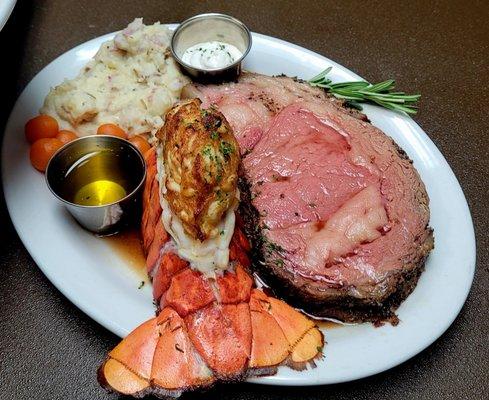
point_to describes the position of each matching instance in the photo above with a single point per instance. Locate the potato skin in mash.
(132, 82)
(201, 158)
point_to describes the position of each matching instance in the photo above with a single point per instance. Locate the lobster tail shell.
(177, 366)
(208, 330)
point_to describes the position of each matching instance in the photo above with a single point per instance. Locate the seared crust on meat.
(364, 285)
(336, 303)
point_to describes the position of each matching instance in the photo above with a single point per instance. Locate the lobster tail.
(171, 353)
(207, 329)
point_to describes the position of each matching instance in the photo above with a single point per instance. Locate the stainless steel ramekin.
(109, 218)
(211, 27)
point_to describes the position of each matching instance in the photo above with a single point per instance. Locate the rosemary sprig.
(356, 92)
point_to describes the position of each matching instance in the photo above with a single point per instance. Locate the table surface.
(50, 350)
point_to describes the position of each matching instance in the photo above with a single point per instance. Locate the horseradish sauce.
(211, 55)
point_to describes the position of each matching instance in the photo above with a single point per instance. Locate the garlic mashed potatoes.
(132, 81)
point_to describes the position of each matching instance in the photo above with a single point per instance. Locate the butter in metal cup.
(125, 161)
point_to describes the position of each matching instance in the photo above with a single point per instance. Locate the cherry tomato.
(66, 136)
(112, 130)
(42, 150)
(141, 143)
(42, 126)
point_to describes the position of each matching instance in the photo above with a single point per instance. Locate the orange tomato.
(112, 130)
(66, 136)
(42, 150)
(42, 126)
(141, 143)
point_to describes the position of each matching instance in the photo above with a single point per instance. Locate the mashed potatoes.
(132, 81)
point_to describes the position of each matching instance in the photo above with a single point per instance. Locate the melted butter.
(99, 193)
(99, 178)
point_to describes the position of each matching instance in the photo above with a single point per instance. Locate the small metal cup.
(104, 219)
(211, 27)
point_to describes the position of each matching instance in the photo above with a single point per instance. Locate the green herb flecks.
(141, 285)
(271, 247)
(226, 149)
(279, 262)
(222, 196)
(207, 151)
(357, 92)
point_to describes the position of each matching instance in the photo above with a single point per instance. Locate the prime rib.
(337, 214)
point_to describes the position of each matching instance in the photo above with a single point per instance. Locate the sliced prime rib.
(337, 213)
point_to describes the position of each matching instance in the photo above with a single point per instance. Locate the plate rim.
(272, 380)
(5, 12)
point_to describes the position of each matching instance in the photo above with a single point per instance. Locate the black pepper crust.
(298, 292)
(376, 301)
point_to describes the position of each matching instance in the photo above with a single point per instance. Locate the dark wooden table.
(50, 350)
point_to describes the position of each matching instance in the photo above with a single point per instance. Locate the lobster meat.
(207, 329)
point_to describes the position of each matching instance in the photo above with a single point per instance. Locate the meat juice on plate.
(127, 245)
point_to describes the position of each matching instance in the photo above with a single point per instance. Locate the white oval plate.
(99, 282)
(6, 7)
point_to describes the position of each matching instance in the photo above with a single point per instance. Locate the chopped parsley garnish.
(279, 262)
(207, 151)
(221, 197)
(271, 247)
(226, 149)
